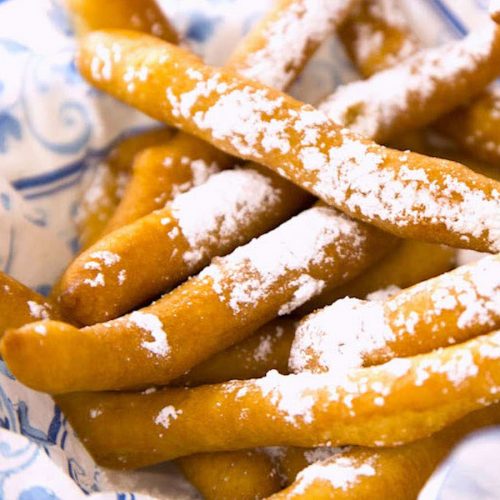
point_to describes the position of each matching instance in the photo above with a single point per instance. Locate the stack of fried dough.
(270, 293)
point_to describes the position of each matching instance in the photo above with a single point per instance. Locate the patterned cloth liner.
(54, 130)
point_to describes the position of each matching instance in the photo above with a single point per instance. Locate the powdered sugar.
(95, 263)
(343, 335)
(321, 453)
(468, 297)
(229, 199)
(247, 276)
(302, 24)
(341, 472)
(151, 324)
(166, 415)
(376, 183)
(339, 336)
(38, 311)
(308, 287)
(372, 107)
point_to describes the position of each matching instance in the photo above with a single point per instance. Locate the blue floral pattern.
(53, 129)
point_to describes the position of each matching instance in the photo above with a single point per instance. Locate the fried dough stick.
(410, 195)
(450, 308)
(227, 302)
(273, 53)
(139, 15)
(399, 472)
(20, 305)
(392, 404)
(377, 36)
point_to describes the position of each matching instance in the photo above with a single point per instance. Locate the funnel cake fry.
(273, 53)
(399, 472)
(20, 305)
(269, 348)
(377, 36)
(140, 15)
(450, 308)
(227, 302)
(105, 190)
(410, 195)
(430, 83)
(247, 475)
(395, 403)
(229, 209)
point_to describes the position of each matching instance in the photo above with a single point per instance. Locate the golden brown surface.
(267, 350)
(247, 475)
(444, 310)
(226, 303)
(20, 305)
(137, 276)
(263, 55)
(476, 128)
(408, 264)
(448, 188)
(399, 405)
(399, 472)
(140, 15)
(105, 191)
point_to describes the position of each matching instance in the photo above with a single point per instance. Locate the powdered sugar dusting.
(378, 184)
(246, 277)
(383, 15)
(301, 24)
(96, 262)
(341, 472)
(321, 453)
(307, 288)
(339, 336)
(151, 324)
(372, 107)
(229, 199)
(166, 415)
(468, 297)
(38, 311)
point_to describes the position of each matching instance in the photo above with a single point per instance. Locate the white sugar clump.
(95, 412)
(341, 472)
(339, 337)
(166, 415)
(336, 164)
(106, 257)
(95, 263)
(321, 453)
(246, 276)
(471, 293)
(98, 280)
(151, 324)
(228, 200)
(301, 24)
(307, 288)
(405, 196)
(370, 106)
(457, 369)
(38, 311)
